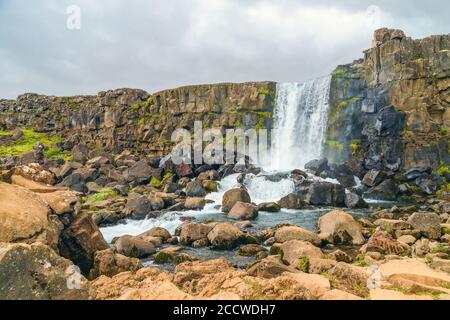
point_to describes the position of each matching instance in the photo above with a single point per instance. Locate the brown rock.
(191, 232)
(341, 228)
(288, 233)
(293, 250)
(134, 247)
(232, 196)
(225, 236)
(108, 263)
(243, 211)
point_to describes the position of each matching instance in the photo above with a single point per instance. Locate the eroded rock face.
(427, 223)
(36, 272)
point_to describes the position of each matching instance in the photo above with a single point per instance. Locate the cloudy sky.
(159, 44)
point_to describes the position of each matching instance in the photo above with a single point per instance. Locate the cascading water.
(300, 127)
(301, 117)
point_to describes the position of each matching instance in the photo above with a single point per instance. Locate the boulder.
(210, 185)
(36, 173)
(317, 166)
(195, 189)
(339, 295)
(134, 247)
(250, 250)
(373, 178)
(383, 243)
(427, 223)
(36, 272)
(108, 263)
(232, 196)
(293, 250)
(269, 207)
(288, 233)
(319, 265)
(61, 201)
(195, 203)
(243, 211)
(385, 191)
(269, 268)
(156, 203)
(191, 232)
(225, 236)
(157, 232)
(390, 225)
(292, 201)
(326, 194)
(138, 206)
(340, 228)
(80, 153)
(355, 201)
(80, 241)
(183, 170)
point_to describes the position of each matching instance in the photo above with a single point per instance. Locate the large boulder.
(142, 173)
(243, 211)
(288, 233)
(138, 206)
(80, 241)
(292, 251)
(134, 247)
(226, 236)
(35, 172)
(195, 189)
(23, 214)
(427, 223)
(317, 166)
(108, 263)
(157, 232)
(292, 201)
(195, 203)
(191, 232)
(270, 267)
(326, 194)
(269, 207)
(340, 228)
(385, 191)
(383, 243)
(232, 196)
(355, 201)
(36, 272)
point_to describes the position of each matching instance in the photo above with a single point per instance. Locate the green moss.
(444, 130)
(335, 145)
(141, 122)
(267, 92)
(340, 72)
(359, 261)
(135, 106)
(104, 194)
(27, 141)
(303, 264)
(168, 143)
(440, 249)
(57, 153)
(346, 85)
(155, 182)
(446, 230)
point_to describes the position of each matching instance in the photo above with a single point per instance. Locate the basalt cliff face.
(133, 119)
(391, 108)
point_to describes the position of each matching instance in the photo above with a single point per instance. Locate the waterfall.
(301, 115)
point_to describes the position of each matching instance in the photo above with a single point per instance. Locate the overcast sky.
(160, 44)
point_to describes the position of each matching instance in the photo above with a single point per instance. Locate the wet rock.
(340, 228)
(195, 203)
(243, 211)
(191, 232)
(138, 206)
(134, 247)
(210, 185)
(232, 196)
(427, 223)
(157, 232)
(355, 201)
(269, 207)
(225, 236)
(326, 194)
(250, 250)
(183, 170)
(288, 233)
(109, 264)
(195, 189)
(317, 166)
(36, 272)
(292, 201)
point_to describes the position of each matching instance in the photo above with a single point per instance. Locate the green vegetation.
(104, 194)
(346, 85)
(340, 72)
(335, 144)
(359, 261)
(303, 264)
(155, 182)
(135, 106)
(267, 92)
(440, 249)
(28, 140)
(141, 122)
(443, 171)
(444, 130)
(446, 230)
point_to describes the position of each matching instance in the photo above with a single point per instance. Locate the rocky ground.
(50, 212)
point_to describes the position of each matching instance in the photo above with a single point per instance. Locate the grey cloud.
(162, 44)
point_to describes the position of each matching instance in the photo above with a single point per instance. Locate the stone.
(349, 277)
(427, 223)
(243, 211)
(317, 166)
(373, 178)
(269, 268)
(156, 203)
(269, 207)
(61, 201)
(292, 201)
(225, 236)
(138, 206)
(319, 266)
(339, 295)
(288, 233)
(195, 203)
(36, 272)
(134, 247)
(108, 263)
(383, 242)
(385, 191)
(340, 256)
(250, 250)
(183, 170)
(195, 189)
(232, 196)
(326, 194)
(390, 225)
(294, 250)
(80, 241)
(80, 153)
(157, 232)
(355, 201)
(142, 173)
(407, 239)
(340, 228)
(210, 185)
(191, 232)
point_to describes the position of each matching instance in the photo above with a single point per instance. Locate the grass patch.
(104, 194)
(440, 249)
(303, 264)
(28, 140)
(155, 182)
